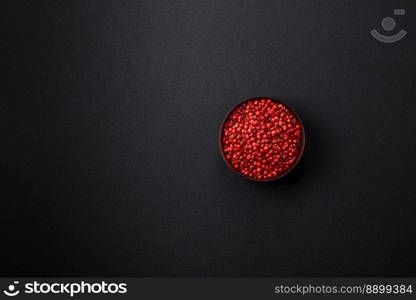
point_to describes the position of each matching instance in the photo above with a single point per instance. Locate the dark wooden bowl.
(302, 148)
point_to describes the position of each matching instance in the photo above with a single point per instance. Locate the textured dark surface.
(109, 118)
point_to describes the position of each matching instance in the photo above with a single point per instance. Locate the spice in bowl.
(262, 139)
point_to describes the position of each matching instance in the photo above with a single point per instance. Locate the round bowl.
(280, 175)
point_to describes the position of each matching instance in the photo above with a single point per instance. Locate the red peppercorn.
(262, 139)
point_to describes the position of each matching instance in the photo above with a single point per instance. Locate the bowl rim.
(302, 149)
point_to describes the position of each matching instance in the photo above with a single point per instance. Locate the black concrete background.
(109, 119)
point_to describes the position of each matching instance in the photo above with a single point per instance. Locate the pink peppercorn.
(262, 139)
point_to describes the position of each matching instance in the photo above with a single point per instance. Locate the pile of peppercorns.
(261, 139)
